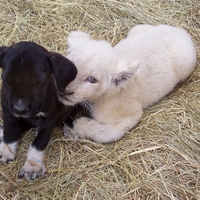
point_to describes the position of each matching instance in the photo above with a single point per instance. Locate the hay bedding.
(159, 158)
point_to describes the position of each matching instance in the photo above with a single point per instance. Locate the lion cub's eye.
(91, 79)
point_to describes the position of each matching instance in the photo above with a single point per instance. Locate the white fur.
(137, 72)
(34, 166)
(41, 114)
(1, 133)
(7, 151)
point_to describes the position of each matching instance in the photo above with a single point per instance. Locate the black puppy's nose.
(20, 108)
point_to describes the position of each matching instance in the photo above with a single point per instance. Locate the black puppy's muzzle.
(20, 108)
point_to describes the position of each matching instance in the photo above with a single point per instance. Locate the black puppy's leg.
(34, 166)
(7, 150)
(9, 137)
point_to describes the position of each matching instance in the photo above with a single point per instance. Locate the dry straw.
(159, 158)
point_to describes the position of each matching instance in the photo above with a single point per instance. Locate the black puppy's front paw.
(7, 151)
(31, 170)
(6, 154)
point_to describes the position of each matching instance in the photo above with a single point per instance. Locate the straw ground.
(159, 158)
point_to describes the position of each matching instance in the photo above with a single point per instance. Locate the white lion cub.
(120, 82)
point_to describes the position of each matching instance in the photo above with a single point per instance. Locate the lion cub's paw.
(82, 126)
(70, 133)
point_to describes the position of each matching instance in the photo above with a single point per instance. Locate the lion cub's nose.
(68, 93)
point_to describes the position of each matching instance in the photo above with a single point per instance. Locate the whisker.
(87, 106)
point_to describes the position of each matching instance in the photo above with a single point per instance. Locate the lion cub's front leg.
(101, 132)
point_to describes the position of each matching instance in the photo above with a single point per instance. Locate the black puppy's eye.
(91, 79)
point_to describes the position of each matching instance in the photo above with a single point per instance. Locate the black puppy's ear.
(2, 52)
(63, 70)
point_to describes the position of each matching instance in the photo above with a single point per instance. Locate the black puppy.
(31, 79)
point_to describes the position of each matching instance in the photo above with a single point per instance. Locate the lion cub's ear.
(125, 72)
(75, 38)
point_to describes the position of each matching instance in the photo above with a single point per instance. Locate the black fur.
(31, 78)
